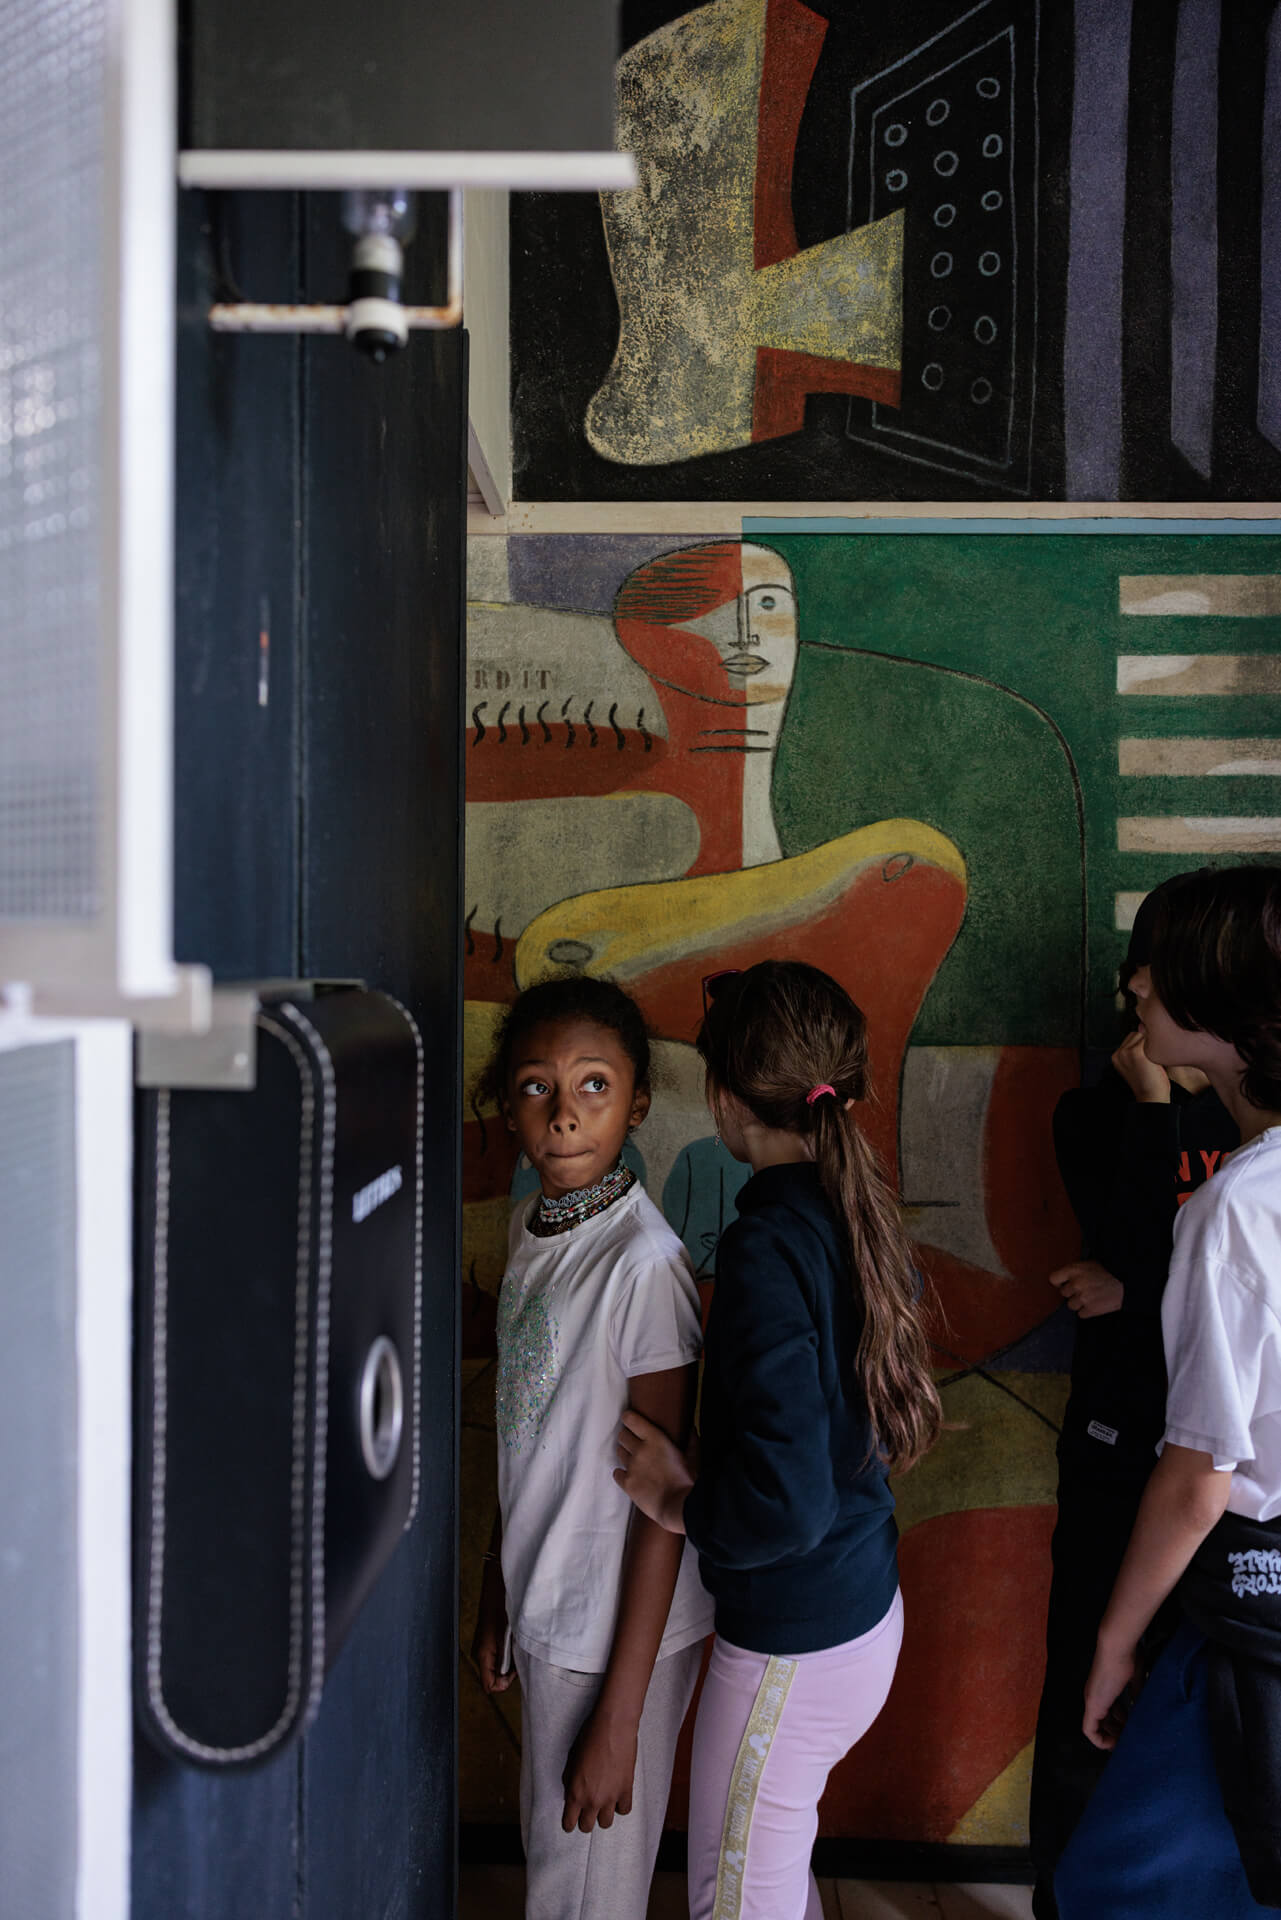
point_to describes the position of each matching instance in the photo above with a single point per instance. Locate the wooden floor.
(497, 1893)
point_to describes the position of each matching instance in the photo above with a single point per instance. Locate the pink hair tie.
(816, 1093)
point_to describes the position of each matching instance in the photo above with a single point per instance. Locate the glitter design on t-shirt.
(527, 1371)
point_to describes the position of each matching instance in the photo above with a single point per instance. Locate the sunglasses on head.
(714, 984)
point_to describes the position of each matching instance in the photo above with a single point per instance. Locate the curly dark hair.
(566, 996)
(1216, 966)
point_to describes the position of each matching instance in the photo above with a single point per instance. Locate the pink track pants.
(769, 1731)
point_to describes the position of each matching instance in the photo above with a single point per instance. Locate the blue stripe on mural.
(831, 523)
(1270, 245)
(1092, 339)
(1194, 236)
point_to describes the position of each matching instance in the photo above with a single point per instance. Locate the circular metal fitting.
(382, 1408)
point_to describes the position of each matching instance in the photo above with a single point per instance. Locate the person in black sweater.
(816, 1383)
(1187, 1819)
(1130, 1150)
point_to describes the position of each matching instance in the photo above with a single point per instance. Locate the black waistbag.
(1232, 1592)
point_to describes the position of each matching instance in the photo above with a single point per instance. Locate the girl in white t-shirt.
(601, 1610)
(1187, 1819)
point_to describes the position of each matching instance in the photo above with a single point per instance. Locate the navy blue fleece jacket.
(794, 1527)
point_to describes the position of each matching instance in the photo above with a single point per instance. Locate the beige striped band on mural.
(744, 1782)
(1215, 833)
(1171, 675)
(1127, 906)
(1206, 759)
(1217, 595)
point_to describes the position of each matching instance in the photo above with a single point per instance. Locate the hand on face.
(1165, 1042)
(1146, 1081)
(571, 1099)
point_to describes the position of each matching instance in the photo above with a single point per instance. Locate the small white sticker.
(1097, 1431)
(379, 1190)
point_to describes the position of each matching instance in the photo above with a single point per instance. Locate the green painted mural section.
(970, 681)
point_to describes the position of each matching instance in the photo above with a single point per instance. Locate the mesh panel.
(39, 1446)
(52, 119)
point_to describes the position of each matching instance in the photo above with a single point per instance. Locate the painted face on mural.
(716, 621)
(755, 634)
(570, 1100)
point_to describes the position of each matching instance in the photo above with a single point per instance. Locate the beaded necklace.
(568, 1210)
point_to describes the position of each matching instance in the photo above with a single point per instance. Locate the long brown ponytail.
(771, 1035)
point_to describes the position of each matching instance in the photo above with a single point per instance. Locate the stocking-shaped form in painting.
(726, 322)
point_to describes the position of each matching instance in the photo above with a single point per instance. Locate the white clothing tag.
(1097, 1431)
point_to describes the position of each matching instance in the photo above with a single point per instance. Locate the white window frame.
(125, 955)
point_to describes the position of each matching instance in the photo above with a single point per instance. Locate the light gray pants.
(605, 1874)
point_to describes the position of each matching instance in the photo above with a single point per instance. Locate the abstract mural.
(946, 767)
(934, 251)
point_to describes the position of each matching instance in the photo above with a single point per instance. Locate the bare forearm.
(1183, 1500)
(491, 1580)
(652, 1557)
(650, 1568)
(491, 1622)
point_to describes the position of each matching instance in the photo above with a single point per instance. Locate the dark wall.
(319, 593)
(495, 74)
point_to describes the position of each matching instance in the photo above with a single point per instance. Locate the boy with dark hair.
(1131, 1150)
(1190, 1822)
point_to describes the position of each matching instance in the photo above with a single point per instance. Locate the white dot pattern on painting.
(952, 139)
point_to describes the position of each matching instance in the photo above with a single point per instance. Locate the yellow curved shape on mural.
(628, 931)
(994, 1451)
(998, 1817)
(481, 1021)
(484, 1240)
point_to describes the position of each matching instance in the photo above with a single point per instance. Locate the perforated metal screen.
(38, 1443)
(53, 81)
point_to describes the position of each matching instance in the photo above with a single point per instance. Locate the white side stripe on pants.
(762, 1725)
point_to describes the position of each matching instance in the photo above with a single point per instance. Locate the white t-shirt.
(1221, 1317)
(578, 1316)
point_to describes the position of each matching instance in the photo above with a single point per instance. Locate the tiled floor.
(495, 1893)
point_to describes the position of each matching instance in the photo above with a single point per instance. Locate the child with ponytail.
(816, 1384)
